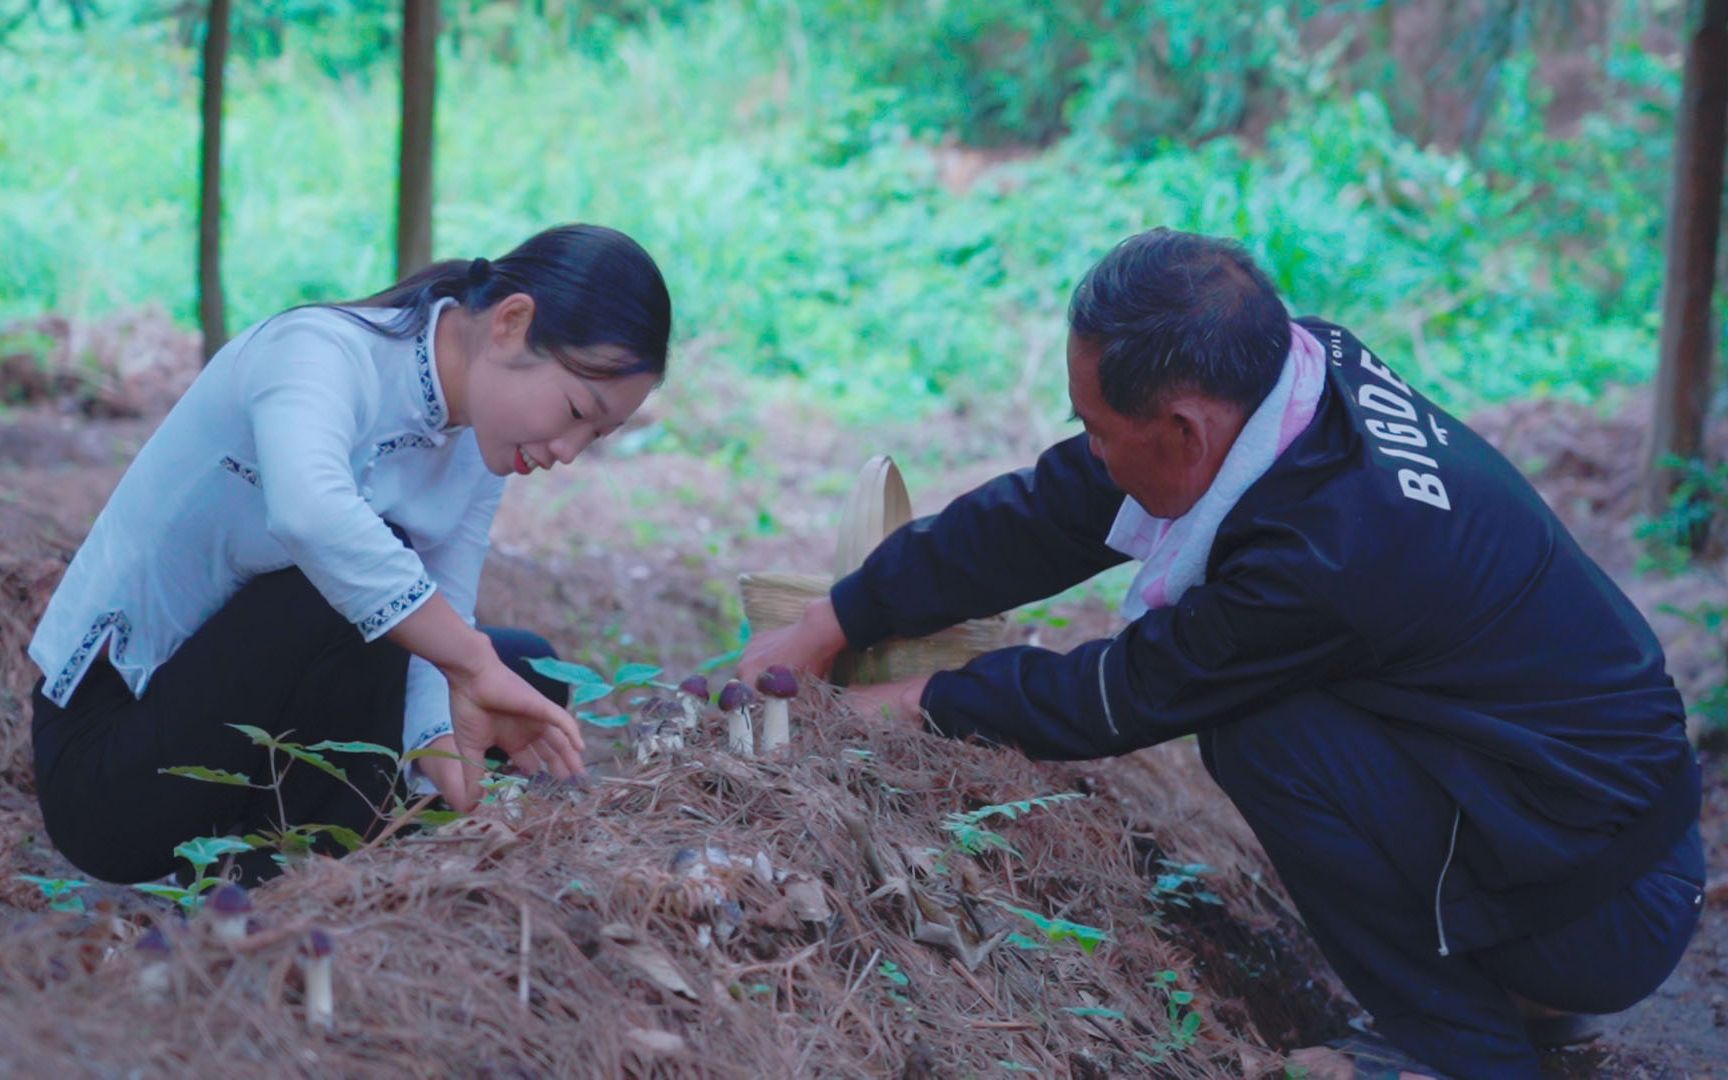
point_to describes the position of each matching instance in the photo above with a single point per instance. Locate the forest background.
(881, 205)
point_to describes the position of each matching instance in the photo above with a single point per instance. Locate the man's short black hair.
(1177, 312)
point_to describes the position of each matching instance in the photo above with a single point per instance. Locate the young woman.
(299, 545)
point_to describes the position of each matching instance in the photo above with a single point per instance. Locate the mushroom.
(778, 686)
(693, 696)
(153, 976)
(735, 702)
(317, 949)
(658, 728)
(230, 905)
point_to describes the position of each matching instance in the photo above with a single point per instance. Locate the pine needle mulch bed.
(699, 915)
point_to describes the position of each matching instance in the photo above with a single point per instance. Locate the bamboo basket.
(876, 507)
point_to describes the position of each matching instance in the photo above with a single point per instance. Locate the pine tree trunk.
(419, 92)
(1694, 226)
(211, 315)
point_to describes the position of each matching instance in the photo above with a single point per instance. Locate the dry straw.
(828, 930)
(34, 551)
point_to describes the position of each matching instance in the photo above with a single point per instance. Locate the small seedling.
(970, 837)
(1057, 931)
(61, 893)
(1180, 883)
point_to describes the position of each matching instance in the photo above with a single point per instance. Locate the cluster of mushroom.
(775, 689)
(662, 725)
(230, 909)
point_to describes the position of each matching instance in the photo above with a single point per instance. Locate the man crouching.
(1452, 733)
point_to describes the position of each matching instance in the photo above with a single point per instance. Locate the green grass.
(803, 229)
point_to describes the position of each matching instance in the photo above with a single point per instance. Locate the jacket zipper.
(1452, 846)
(1104, 692)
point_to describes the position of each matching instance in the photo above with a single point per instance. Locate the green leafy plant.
(61, 893)
(288, 841)
(1671, 542)
(1056, 931)
(1184, 1022)
(588, 686)
(1180, 884)
(969, 835)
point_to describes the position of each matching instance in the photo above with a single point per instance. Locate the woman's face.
(530, 412)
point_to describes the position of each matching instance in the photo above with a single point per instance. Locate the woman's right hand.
(494, 706)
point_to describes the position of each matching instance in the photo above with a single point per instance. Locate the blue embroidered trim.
(122, 628)
(436, 731)
(244, 472)
(385, 615)
(428, 384)
(403, 442)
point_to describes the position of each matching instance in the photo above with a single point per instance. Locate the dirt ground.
(631, 555)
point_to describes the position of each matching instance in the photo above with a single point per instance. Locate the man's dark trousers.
(1359, 834)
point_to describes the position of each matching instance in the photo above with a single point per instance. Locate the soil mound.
(872, 903)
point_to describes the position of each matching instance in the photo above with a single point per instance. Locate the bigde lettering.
(1399, 437)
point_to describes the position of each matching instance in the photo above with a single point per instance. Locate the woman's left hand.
(494, 706)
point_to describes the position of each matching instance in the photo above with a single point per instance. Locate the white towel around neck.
(1174, 552)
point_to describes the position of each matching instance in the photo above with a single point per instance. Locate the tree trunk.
(1694, 224)
(211, 317)
(414, 178)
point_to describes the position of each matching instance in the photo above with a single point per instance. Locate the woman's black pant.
(1358, 833)
(277, 657)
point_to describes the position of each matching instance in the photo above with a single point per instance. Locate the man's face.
(1164, 462)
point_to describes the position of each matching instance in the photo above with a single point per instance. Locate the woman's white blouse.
(294, 447)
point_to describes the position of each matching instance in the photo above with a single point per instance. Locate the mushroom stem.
(317, 951)
(740, 739)
(693, 698)
(320, 997)
(155, 976)
(778, 686)
(776, 726)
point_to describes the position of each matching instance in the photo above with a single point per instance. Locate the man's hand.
(496, 707)
(896, 703)
(808, 645)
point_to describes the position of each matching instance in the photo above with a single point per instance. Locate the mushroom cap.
(317, 944)
(230, 899)
(658, 709)
(696, 686)
(735, 695)
(154, 942)
(778, 681)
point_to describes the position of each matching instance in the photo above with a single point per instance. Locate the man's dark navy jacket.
(1391, 557)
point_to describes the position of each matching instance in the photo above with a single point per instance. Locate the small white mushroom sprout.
(735, 701)
(316, 950)
(693, 697)
(658, 729)
(153, 972)
(230, 907)
(778, 687)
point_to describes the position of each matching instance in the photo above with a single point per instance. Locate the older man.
(1451, 731)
